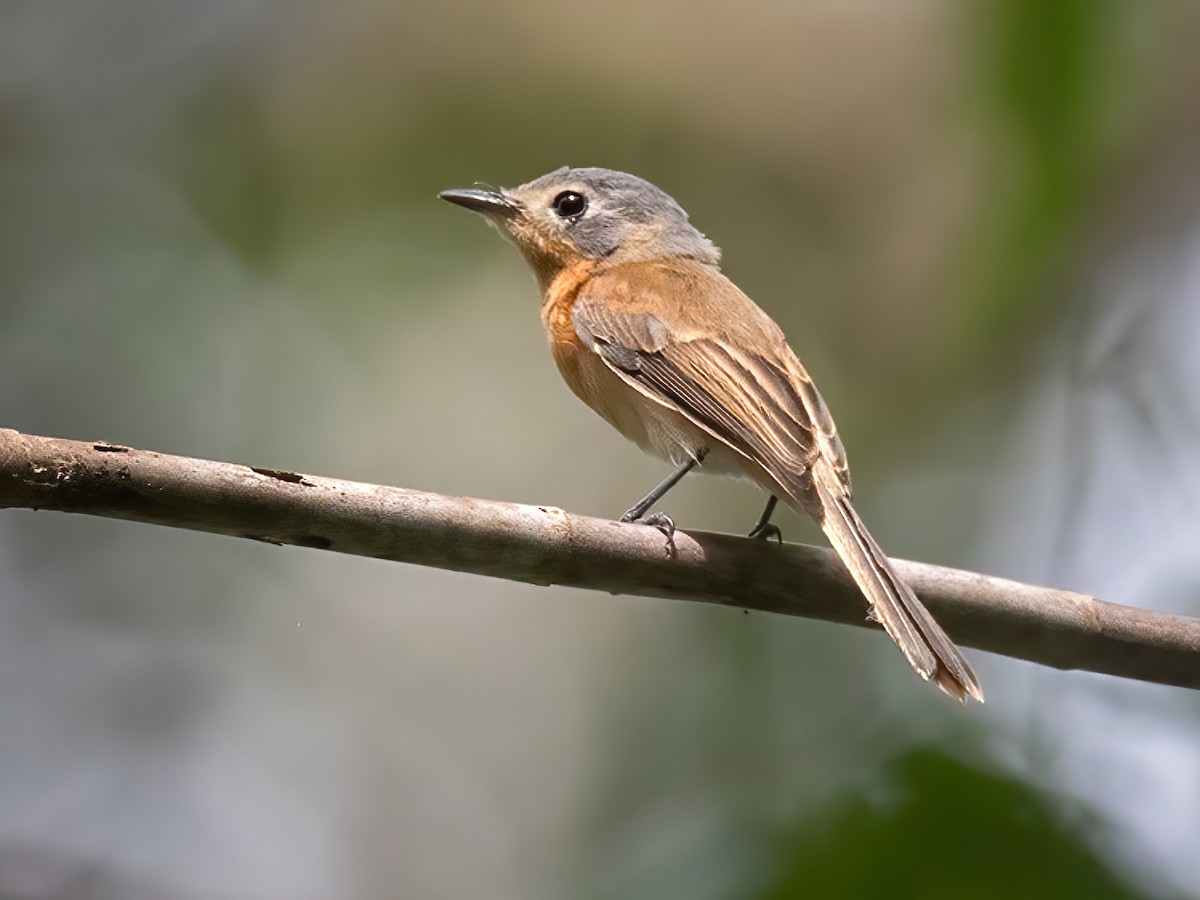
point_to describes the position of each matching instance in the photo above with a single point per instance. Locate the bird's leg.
(637, 512)
(764, 530)
(661, 521)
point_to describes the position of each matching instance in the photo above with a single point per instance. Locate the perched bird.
(649, 333)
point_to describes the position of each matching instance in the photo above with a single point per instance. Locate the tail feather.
(892, 602)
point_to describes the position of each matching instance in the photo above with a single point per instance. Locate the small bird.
(647, 331)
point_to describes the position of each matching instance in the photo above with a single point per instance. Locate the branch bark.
(544, 545)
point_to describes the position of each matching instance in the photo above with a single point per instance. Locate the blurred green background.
(979, 225)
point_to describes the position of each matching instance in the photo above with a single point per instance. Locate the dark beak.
(491, 203)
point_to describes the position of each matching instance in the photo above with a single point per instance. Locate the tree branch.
(544, 545)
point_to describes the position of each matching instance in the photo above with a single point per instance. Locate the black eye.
(569, 205)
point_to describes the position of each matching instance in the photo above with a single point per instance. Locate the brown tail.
(893, 604)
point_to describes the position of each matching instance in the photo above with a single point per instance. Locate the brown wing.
(685, 336)
(720, 361)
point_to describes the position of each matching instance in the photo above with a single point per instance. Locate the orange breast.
(560, 327)
(581, 367)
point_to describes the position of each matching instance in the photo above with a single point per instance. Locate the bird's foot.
(765, 532)
(661, 521)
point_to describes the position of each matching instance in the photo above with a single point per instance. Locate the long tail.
(926, 647)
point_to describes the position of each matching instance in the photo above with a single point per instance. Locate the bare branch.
(544, 545)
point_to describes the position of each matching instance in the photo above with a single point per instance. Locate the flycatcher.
(649, 333)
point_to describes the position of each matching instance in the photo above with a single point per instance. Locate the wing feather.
(762, 405)
(746, 388)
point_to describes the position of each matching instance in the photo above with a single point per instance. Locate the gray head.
(591, 213)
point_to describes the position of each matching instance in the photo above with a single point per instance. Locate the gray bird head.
(593, 214)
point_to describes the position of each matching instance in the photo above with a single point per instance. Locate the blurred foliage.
(1050, 77)
(933, 827)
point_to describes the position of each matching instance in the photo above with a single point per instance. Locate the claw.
(663, 523)
(765, 532)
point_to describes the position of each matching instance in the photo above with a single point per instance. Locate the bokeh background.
(979, 225)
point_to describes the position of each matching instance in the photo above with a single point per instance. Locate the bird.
(648, 331)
